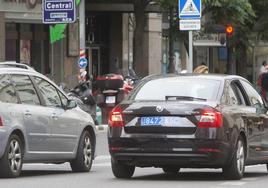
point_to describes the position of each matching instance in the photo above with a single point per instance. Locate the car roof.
(219, 77)
(13, 64)
(11, 67)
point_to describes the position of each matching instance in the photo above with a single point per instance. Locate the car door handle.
(27, 113)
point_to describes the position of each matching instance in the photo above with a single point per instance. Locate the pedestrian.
(262, 81)
(201, 68)
(264, 85)
(263, 68)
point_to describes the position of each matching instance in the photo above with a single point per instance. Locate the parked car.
(189, 121)
(38, 123)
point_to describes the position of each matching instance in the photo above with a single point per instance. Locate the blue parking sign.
(58, 11)
(190, 9)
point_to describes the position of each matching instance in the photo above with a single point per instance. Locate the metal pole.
(82, 25)
(190, 63)
(166, 64)
(128, 55)
(52, 61)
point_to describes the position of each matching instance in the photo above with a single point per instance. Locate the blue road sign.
(58, 11)
(190, 9)
(82, 63)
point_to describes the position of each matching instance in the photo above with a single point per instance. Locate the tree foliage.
(260, 25)
(238, 12)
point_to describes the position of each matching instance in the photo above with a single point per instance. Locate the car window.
(49, 93)
(253, 96)
(25, 89)
(7, 91)
(237, 89)
(231, 97)
(64, 100)
(178, 86)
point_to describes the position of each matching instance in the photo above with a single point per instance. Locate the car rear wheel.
(84, 156)
(11, 162)
(236, 170)
(122, 170)
(171, 170)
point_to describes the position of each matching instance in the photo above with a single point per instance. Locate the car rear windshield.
(178, 88)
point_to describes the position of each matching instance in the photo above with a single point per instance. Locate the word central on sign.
(59, 5)
(58, 11)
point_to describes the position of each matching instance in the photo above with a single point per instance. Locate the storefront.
(25, 39)
(28, 43)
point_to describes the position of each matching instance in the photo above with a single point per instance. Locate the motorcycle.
(82, 94)
(110, 90)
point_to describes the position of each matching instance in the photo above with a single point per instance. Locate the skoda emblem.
(159, 109)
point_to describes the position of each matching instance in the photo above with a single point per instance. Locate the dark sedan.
(189, 121)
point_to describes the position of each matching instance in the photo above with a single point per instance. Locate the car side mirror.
(71, 104)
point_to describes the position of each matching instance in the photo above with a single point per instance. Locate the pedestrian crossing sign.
(190, 9)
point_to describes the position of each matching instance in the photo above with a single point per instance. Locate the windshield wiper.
(187, 98)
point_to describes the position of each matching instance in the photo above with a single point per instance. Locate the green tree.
(241, 15)
(260, 25)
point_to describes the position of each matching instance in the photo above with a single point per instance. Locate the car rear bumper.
(183, 153)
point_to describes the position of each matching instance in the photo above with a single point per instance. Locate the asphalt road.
(60, 176)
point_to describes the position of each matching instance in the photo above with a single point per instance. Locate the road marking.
(254, 166)
(232, 183)
(250, 179)
(106, 164)
(103, 157)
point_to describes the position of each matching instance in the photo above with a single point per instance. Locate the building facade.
(108, 39)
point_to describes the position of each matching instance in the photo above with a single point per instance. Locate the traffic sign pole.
(190, 63)
(52, 61)
(190, 15)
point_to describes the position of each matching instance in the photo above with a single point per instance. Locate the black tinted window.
(178, 86)
(49, 92)
(25, 89)
(231, 97)
(7, 92)
(253, 96)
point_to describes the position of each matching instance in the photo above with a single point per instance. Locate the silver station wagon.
(39, 124)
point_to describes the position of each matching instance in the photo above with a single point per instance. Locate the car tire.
(84, 156)
(236, 169)
(171, 170)
(121, 170)
(11, 162)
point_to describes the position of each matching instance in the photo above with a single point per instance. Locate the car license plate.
(110, 99)
(161, 121)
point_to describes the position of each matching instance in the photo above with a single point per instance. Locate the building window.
(28, 43)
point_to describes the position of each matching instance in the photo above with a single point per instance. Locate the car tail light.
(210, 118)
(116, 118)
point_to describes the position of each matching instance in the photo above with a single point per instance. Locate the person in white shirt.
(263, 68)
